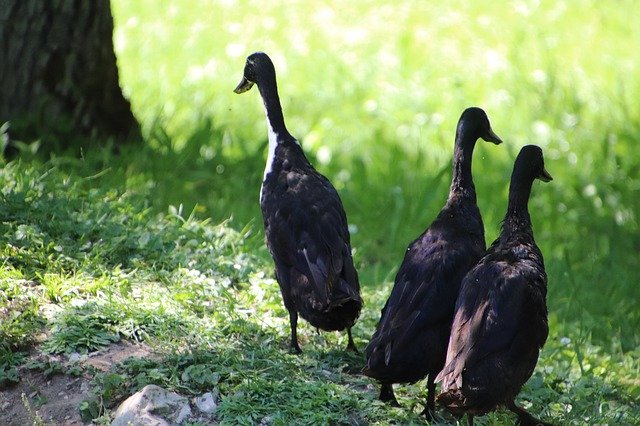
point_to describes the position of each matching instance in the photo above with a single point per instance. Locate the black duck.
(305, 223)
(410, 341)
(500, 323)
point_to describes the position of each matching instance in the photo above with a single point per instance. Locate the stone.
(153, 406)
(207, 403)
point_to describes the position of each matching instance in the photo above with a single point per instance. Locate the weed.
(37, 420)
(48, 366)
(79, 329)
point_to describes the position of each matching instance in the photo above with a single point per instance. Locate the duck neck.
(517, 219)
(276, 129)
(462, 181)
(273, 110)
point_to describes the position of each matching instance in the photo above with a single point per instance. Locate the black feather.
(410, 340)
(500, 322)
(305, 223)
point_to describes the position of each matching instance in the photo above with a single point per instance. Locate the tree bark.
(58, 71)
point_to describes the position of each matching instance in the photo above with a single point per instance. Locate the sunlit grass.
(374, 91)
(87, 265)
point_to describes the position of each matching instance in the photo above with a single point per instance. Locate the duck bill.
(545, 176)
(243, 86)
(492, 137)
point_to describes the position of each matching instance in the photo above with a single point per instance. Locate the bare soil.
(55, 400)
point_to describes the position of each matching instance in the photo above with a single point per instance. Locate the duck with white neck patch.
(305, 223)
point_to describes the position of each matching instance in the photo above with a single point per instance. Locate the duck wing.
(496, 302)
(307, 235)
(420, 284)
(424, 292)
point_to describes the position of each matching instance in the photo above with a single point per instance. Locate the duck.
(500, 321)
(305, 223)
(410, 340)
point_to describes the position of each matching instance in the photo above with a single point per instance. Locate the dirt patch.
(55, 400)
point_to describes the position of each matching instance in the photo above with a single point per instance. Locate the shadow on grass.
(100, 211)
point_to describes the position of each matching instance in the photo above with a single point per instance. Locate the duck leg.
(294, 348)
(469, 419)
(430, 409)
(387, 395)
(524, 418)
(351, 346)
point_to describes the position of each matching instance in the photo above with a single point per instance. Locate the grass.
(202, 295)
(164, 243)
(377, 111)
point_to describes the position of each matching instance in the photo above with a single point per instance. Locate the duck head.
(257, 68)
(531, 160)
(480, 126)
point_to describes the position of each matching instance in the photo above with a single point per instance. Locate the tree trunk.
(58, 72)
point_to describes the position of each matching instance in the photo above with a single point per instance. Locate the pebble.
(206, 403)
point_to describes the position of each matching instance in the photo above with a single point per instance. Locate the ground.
(56, 399)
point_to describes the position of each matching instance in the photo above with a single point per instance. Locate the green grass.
(375, 105)
(164, 242)
(90, 265)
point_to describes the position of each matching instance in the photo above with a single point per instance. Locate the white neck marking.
(273, 142)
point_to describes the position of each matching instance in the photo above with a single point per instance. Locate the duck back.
(307, 236)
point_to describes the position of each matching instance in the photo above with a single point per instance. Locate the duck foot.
(430, 408)
(351, 346)
(294, 348)
(387, 395)
(526, 419)
(429, 414)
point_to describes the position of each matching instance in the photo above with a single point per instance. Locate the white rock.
(184, 413)
(153, 406)
(207, 403)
